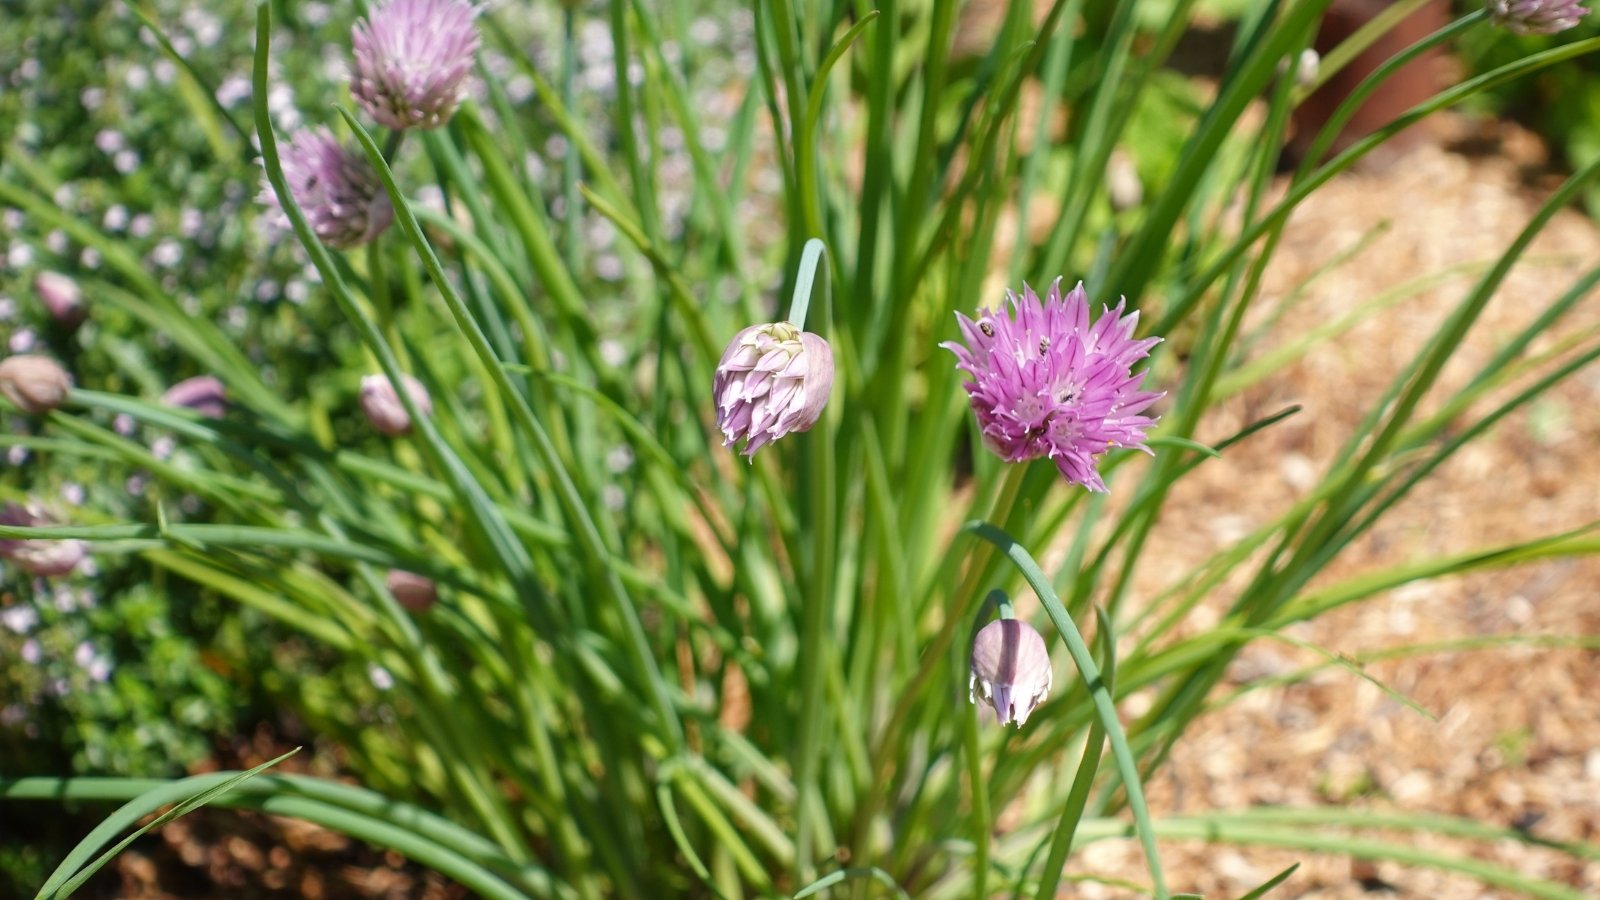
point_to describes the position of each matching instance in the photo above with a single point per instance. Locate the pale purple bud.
(203, 393)
(772, 380)
(412, 59)
(36, 384)
(1536, 16)
(38, 556)
(61, 298)
(412, 591)
(336, 187)
(1012, 668)
(383, 408)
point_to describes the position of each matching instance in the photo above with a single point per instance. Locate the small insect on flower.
(412, 58)
(1012, 667)
(1049, 383)
(336, 187)
(773, 379)
(1536, 16)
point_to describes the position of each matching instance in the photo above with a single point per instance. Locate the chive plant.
(622, 660)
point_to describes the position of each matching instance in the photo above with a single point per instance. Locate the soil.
(1514, 738)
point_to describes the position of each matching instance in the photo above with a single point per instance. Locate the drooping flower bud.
(772, 380)
(203, 393)
(412, 58)
(38, 556)
(336, 187)
(62, 298)
(1536, 16)
(383, 408)
(412, 591)
(1012, 667)
(36, 384)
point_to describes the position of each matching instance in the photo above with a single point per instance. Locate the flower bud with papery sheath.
(1011, 667)
(36, 384)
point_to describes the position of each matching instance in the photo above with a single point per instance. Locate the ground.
(1516, 738)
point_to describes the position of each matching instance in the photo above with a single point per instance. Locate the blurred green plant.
(652, 669)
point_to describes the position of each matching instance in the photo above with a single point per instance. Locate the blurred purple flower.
(38, 556)
(204, 394)
(383, 408)
(61, 298)
(772, 380)
(336, 187)
(1049, 383)
(1012, 667)
(1536, 16)
(412, 58)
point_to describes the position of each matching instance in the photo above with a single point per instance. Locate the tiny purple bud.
(36, 384)
(1012, 667)
(1049, 383)
(62, 298)
(203, 393)
(336, 187)
(412, 58)
(772, 380)
(38, 556)
(383, 408)
(412, 591)
(1536, 16)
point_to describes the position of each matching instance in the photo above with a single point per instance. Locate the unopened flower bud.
(1012, 667)
(1123, 187)
(36, 384)
(38, 556)
(203, 393)
(62, 298)
(412, 591)
(772, 380)
(383, 408)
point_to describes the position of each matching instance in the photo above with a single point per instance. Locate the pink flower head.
(1536, 16)
(411, 59)
(772, 380)
(336, 187)
(1012, 667)
(38, 556)
(1048, 382)
(203, 393)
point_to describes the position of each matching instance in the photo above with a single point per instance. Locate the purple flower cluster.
(1536, 16)
(1047, 382)
(336, 187)
(412, 58)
